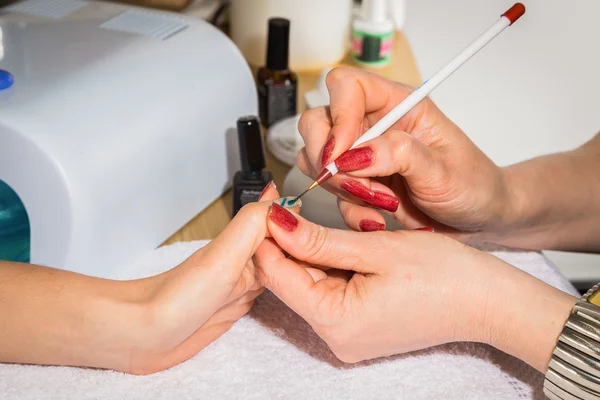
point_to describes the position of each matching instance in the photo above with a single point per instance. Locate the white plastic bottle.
(398, 13)
(373, 34)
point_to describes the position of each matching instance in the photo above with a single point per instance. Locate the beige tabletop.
(210, 222)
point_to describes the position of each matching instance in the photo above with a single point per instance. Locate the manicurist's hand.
(424, 170)
(51, 316)
(382, 293)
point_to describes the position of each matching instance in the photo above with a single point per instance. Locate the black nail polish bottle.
(249, 183)
(277, 84)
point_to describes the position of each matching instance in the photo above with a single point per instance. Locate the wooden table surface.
(210, 222)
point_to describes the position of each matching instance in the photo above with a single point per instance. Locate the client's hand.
(425, 170)
(381, 293)
(56, 317)
(196, 302)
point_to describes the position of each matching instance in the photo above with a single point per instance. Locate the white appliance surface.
(120, 126)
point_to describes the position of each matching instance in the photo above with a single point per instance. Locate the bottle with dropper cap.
(373, 34)
(277, 83)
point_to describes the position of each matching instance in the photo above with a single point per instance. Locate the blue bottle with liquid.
(15, 238)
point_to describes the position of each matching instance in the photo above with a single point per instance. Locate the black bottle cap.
(278, 44)
(252, 152)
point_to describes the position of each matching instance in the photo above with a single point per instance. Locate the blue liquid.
(15, 234)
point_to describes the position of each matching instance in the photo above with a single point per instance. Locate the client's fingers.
(236, 308)
(269, 192)
(210, 275)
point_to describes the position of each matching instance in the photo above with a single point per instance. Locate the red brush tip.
(514, 13)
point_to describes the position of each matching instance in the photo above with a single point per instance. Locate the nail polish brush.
(506, 20)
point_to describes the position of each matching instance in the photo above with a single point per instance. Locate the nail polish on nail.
(355, 159)
(272, 183)
(384, 201)
(367, 225)
(288, 202)
(327, 150)
(283, 218)
(425, 228)
(358, 190)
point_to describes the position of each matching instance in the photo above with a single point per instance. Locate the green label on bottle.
(372, 48)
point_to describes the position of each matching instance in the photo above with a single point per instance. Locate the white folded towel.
(274, 354)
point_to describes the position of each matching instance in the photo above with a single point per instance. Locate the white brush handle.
(427, 87)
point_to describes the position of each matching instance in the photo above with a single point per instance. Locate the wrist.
(508, 209)
(527, 316)
(118, 318)
(510, 199)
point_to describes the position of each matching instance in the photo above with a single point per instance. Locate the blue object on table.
(6, 79)
(15, 237)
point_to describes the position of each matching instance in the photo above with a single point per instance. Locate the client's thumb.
(227, 255)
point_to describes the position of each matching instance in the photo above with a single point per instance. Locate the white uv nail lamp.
(116, 128)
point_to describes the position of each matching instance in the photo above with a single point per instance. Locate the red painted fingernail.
(327, 150)
(283, 218)
(272, 183)
(366, 225)
(355, 159)
(384, 201)
(425, 228)
(358, 190)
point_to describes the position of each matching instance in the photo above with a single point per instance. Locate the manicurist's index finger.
(355, 95)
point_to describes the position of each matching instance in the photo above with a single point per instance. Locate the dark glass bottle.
(277, 84)
(249, 183)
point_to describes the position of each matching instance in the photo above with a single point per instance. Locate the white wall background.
(534, 90)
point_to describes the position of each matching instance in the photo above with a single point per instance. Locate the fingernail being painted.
(288, 202)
